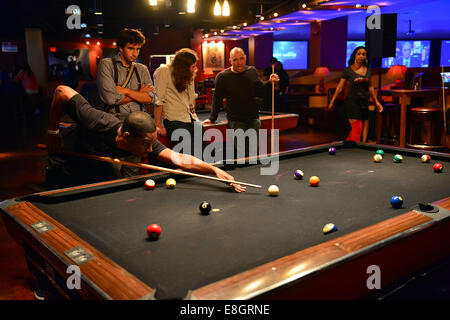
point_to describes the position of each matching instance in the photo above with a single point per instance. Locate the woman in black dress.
(360, 90)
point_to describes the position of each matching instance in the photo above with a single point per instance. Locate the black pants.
(171, 126)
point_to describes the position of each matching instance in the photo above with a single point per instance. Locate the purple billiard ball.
(332, 151)
(298, 174)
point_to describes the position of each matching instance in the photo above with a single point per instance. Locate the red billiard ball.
(438, 167)
(149, 184)
(425, 158)
(153, 231)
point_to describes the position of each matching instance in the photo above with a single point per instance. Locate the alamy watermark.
(74, 280)
(74, 19)
(374, 281)
(374, 21)
(241, 147)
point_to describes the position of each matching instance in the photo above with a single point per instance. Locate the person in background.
(175, 96)
(281, 88)
(358, 76)
(239, 85)
(125, 85)
(71, 74)
(28, 80)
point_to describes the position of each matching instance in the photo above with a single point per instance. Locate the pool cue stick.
(444, 107)
(149, 166)
(273, 112)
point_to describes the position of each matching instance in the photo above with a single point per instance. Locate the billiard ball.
(298, 174)
(396, 202)
(149, 184)
(398, 158)
(205, 208)
(438, 167)
(314, 181)
(329, 228)
(380, 152)
(425, 158)
(273, 190)
(153, 231)
(377, 158)
(332, 151)
(171, 183)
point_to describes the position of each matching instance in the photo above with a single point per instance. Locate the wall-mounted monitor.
(351, 46)
(292, 54)
(410, 53)
(445, 53)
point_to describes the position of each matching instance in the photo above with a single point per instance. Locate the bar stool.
(425, 128)
(390, 128)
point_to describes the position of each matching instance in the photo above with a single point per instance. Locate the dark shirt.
(282, 74)
(240, 91)
(358, 85)
(93, 133)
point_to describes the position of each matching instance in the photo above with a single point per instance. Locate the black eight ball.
(205, 208)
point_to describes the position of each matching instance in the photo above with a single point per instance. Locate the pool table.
(251, 245)
(282, 122)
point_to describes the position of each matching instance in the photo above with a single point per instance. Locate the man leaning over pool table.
(99, 133)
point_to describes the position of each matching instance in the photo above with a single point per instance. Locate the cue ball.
(171, 183)
(378, 157)
(398, 158)
(298, 174)
(332, 151)
(273, 190)
(149, 184)
(438, 167)
(425, 158)
(380, 152)
(205, 208)
(314, 181)
(153, 231)
(396, 202)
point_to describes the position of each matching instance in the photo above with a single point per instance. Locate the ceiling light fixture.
(226, 9)
(217, 9)
(191, 6)
(153, 3)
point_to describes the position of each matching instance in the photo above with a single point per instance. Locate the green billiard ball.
(398, 158)
(381, 152)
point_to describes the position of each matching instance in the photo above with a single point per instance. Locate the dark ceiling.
(50, 16)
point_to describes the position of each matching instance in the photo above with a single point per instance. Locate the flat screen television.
(351, 46)
(445, 53)
(410, 53)
(292, 54)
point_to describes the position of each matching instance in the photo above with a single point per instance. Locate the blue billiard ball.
(396, 202)
(298, 174)
(332, 151)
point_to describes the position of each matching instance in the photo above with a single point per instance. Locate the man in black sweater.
(239, 85)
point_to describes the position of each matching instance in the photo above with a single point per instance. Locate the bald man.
(239, 85)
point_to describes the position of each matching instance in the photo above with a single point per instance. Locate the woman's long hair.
(181, 64)
(351, 61)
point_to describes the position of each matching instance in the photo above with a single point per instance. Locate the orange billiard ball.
(314, 181)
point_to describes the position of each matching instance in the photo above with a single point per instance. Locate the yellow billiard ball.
(171, 183)
(377, 158)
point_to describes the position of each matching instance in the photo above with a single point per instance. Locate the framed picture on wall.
(213, 55)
